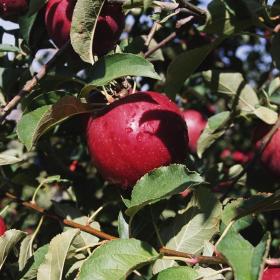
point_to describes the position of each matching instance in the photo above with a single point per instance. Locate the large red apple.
(136, 134)
(270, 157)
(110, 23)
(271, 273)
(12, 8)
(195, 123)
(2, 226)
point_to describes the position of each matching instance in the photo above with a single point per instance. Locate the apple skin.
(110, 23)
(135, 135)
(2, 226)
(195, 123)
(270, 157)
(13, 8)
(271, 273)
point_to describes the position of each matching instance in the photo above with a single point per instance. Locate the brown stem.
(86, 228)
(196, 259)
(29, 86)
(160, 44)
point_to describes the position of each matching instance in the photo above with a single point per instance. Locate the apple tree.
(139, 139)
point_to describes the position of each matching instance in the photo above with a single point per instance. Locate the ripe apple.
(236, 156)
(135, 135)
(271, 155)
(2, 226)
(12, 8)
(110, 23)
(195, 123)
(271, 273)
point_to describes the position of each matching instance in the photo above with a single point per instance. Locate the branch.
(29, 86)
(192, 259)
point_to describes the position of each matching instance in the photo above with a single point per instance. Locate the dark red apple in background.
(135, 135)
(236, 156)
(195, 123)
(270, 157)
(271, 273)
(2, 226)
(110, 23)
(13, 8)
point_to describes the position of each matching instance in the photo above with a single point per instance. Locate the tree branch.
(29, 86)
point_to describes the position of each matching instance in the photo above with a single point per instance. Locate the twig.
(196, 259)
(193, 8)
(42, 211)
(160, 44)
(86, 228)
(29, 86)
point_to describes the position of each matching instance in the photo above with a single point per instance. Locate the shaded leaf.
(52, 267)
(8, 241)
(25, 251)
(177, 273)
(123, 227)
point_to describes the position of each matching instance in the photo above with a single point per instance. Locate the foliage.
(222, 60)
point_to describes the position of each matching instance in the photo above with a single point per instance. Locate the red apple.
(2, 226)
(135, 135)
(12, 8)
(271, 273)
(110, 23)
(270, 157)
(195, 123)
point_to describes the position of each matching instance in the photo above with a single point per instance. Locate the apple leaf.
(25, 251)
(267, 115)
(160, 184)
(30, 270)
(123, 227)
(177, 273)
(215, 128)
(117, 259)
(184, 64)
(83, 27)
(250, 265)
(52, 266)
(34, 124)
(8, 241)
(9, 48)
(119, 65)
(189, 230)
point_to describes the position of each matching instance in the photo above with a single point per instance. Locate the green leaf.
(123, 227)
(7, 243)
(215, 128)
(267, 115)
(25, 251)
(52, 267)
(190, 229)
(31, 268)
(116, 259)
(160, 184)
(184, 64)
(27, 126)
(35, 5)
(36, 123)
(9, 48)
(83, 27)
(246, 260)
(8, 157)
(119, 65)
(177, 273)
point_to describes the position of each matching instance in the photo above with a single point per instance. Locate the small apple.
(236, 156)
(270, 156)
(110, 23)
(2, 226)
(195, 123)
(12, 8)
(135, 135)
(271, 273)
